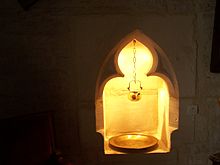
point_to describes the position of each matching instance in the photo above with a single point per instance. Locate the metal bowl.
(133, 141)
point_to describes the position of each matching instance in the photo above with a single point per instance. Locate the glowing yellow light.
(144, 60)
(144, 116)
(162, 93)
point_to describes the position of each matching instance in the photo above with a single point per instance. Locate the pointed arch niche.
(129, 122)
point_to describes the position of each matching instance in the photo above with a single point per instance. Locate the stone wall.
(51, 55)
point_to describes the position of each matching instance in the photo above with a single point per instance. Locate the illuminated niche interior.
(136, 123)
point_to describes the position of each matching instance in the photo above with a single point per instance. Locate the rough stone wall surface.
(51, 55)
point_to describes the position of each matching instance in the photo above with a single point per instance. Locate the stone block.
(214, 124)
(185, 133)
(208, 83)
(202, 121)
(193, 153)
(198, 159)
(205, 5)
(180, 6)
(201, 129)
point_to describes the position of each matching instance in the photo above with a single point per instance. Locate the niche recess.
(137, 98)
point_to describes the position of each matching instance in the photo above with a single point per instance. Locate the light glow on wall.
(148, 116)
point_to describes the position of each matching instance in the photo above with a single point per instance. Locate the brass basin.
(133, 141)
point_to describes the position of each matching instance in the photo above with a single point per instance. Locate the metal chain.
(134, 61)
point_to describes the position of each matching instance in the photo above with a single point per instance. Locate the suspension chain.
(134, 61)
